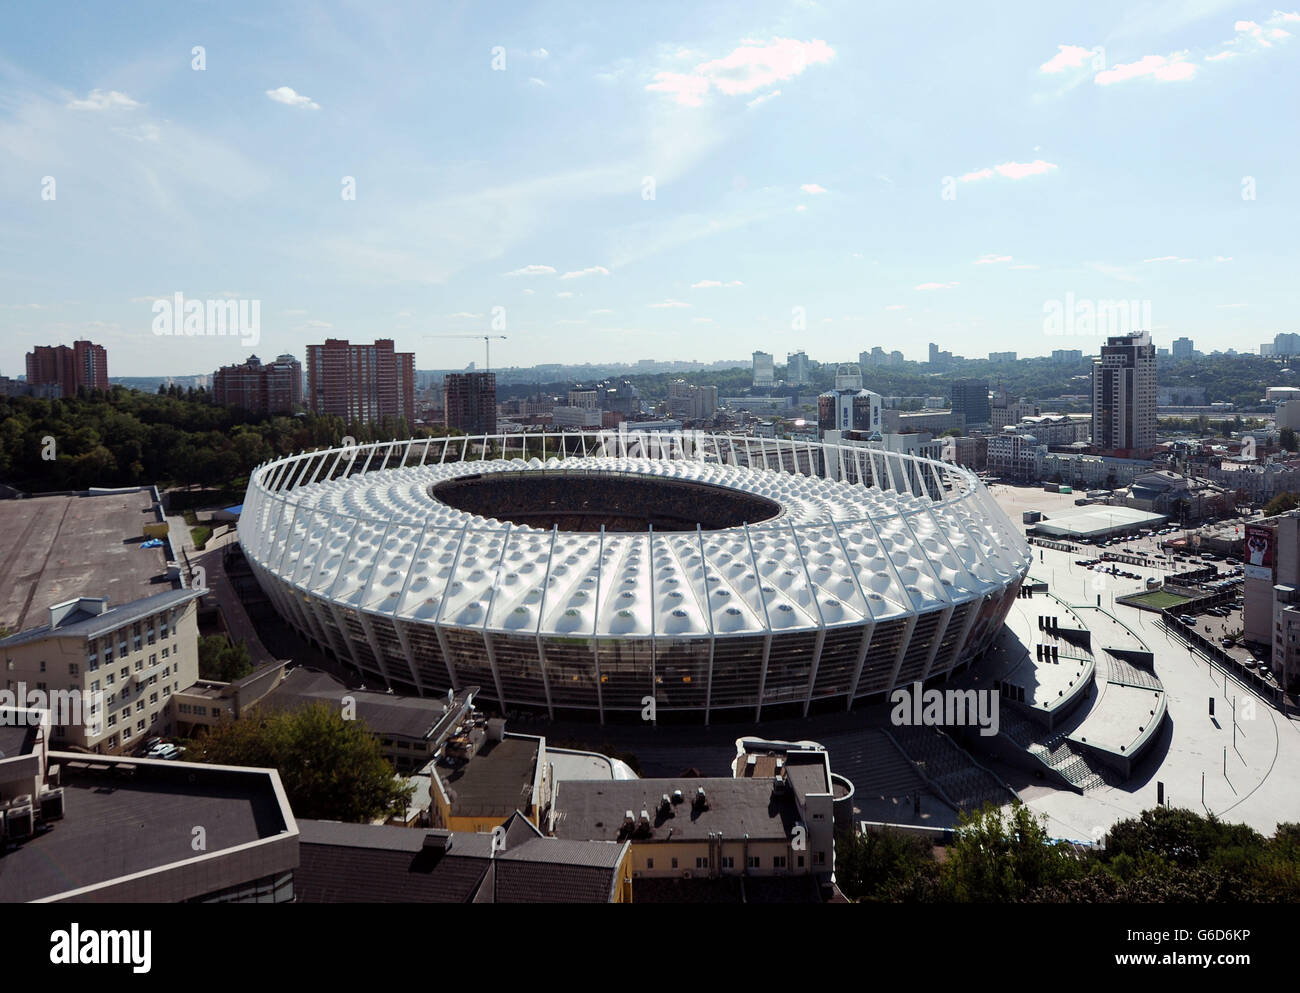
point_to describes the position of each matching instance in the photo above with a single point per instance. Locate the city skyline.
(696, 184)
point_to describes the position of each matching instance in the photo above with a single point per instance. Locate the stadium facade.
(592, 574)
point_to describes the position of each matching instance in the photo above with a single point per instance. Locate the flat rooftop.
(595, 811)
(1095, 520)
(498, 778)
(118, 822)
(60, 547)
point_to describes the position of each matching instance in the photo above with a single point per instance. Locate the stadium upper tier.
(451, 562)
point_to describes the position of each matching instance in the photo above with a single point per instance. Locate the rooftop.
(125, 817)
(384, 714)
(497, 779)
(364, 863)
(592, 810)
(59, 547)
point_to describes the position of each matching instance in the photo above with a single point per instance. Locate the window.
(126, 713)
(108, 653)
(649, 863)
(139, 664)
(702, 862)
(74, 669)
(40, 686)
(153, 659)
(139, 726)
(166, 652)
(126, 672)
(819, 858)
(751, 862)
(139, 706)
(109, 679)
(674, 862)
(94, 686)
(778, 861)
(42, 666)
(153, 698)
(727, 862)
(92, 658)
(112, 720)
(800, 862)
(121, 645)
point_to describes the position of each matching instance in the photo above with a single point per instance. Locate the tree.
(998, 861)
(331, 768)
(1287, 439)
(223, 660)
(886, 865)
(1281, 503)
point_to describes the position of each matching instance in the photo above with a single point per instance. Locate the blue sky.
(826, 176)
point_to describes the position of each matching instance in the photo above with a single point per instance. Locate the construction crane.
(487, 345)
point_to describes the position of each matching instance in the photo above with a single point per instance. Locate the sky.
(670, 181)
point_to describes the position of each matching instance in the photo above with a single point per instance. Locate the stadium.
(603, 576)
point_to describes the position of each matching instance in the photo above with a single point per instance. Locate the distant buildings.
(970, 398)
(1067, 355)
(848, 407)
(939, 359)
(764, 370)
(1002, 356)
(361, 383)
(1124, 396)
(689, 402)
(1182, 348)
(1286, 343)
(1003, 410)
(273, 388)
(84, 364)
(470, 402)
(879, 357)
(796, 373)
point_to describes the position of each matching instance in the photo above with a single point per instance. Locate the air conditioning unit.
(52, 804)
(20, 820)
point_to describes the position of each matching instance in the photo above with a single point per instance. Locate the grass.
(200, 536)
(1159, 599)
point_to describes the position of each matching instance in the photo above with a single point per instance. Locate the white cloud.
(704, 284)
(1165, 68)
(595, 270)
(291, 98)
(1009, 170)
(752, 66)
(1221, 56)
(896, 306)
(603, 310)
(703, 320)
(758, 101)
(533, 270)
(735, 282)
(802, 207)
(541, 53)
(813, 188)
(534, 81)
(992, 258)
(1231, 306)
(935, 286)
(459, 314)
(1067, 57)
(564, 294)
(1169, 258)
(1223, 258)
(669, 304)
(145, 132)
(101, 100)
(1024, 266)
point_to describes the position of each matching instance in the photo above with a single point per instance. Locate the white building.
(764, 370)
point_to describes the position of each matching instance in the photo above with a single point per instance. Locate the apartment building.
(260, 388)
(98, 627)
(361, 383)
(1124, 396)
(469, 401)
(84, 364)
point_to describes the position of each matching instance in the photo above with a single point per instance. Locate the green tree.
(1281, 503)
(1287, 439)
(884, 866)
(993, 860)
(223, 660)
(331, 768)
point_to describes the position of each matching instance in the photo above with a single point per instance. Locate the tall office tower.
(361, 383)
(1124, 396)
(271, 388)
(796, 372)
(84, 364)
(470, 401)
(764, 369)
(971, 398)
(1182, 348)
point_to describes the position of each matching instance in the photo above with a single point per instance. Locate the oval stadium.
(705, 577)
